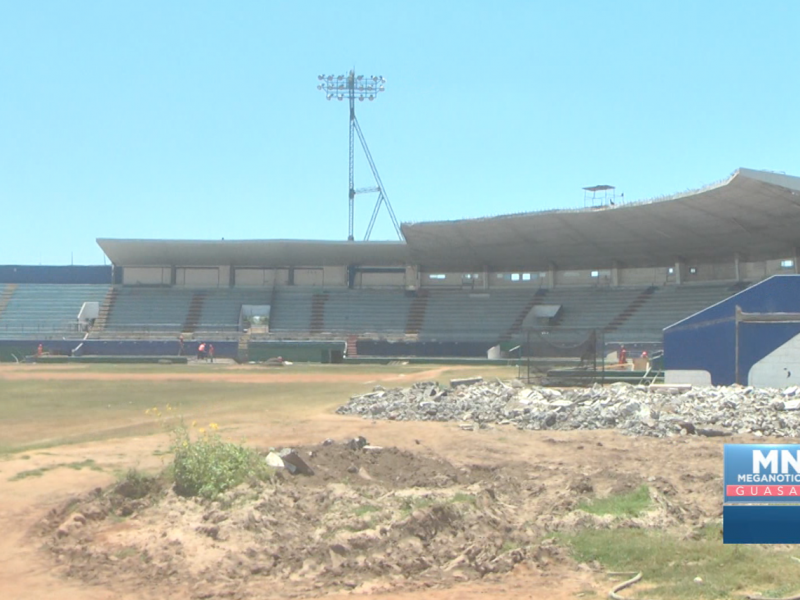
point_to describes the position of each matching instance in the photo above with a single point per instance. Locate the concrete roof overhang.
(253, 253)
(755, 214)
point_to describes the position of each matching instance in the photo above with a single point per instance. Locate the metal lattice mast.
(352, 86)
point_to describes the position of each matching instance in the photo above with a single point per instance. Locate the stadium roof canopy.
(753, 213)
(253, 253)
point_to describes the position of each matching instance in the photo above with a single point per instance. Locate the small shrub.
(136, 485)
(209, 466)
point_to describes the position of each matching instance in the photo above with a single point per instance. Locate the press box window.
(595, 273)
(787, 264)
(437, 276)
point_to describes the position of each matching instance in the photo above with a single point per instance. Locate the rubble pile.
(635, 410)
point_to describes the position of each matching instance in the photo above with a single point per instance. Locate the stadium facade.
(452, 288)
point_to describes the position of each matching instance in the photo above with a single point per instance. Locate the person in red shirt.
(623, 355)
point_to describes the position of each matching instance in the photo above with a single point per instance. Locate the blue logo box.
(762, 473)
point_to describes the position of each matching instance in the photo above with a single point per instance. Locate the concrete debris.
(294, 464)
(274, 460)
(635, 410)
(357, 443)
(470, 381)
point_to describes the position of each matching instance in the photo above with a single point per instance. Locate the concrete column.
(615, 278)
(737, 267)
(680, 272)
(412, 277)
(796, 255)
(486, 274)
(551, 273)
(173, 275)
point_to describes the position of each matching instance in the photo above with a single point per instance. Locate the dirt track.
(686, 468)
(268, 375)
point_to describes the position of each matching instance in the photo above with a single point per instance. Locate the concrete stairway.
(317, 324)
(416, 314)
(8, 291)
(105, 310)
(352, 346)
(516, 326)
(630, 310)
(195, 312)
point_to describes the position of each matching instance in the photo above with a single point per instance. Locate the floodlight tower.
(352, 87)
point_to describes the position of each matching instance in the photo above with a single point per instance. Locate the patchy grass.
(669, 565)
(624, 505)
(43, 413)
(461, 497)
(123, 553)
(366, 509)
(77, 466)
(88, 463)
(30, 473)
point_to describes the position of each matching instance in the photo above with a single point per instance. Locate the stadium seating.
(366, 311)
(591, 307)
(46, 309)
(667, 306)
(627, 314)
(221, 307)
(155, 309)
(291, 311)
(338, 310)
(478, 316)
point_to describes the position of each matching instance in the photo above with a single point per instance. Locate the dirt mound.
(367, 519)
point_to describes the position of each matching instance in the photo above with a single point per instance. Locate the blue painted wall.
(49, 274)
(22, 348)
(707, 340)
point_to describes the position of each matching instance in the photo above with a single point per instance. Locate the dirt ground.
(516, 485)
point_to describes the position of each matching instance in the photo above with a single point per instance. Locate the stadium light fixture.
(352, 87)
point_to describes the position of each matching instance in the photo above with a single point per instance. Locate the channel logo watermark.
(762, 494)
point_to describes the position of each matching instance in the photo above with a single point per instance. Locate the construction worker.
(201, 351)
(623, 355)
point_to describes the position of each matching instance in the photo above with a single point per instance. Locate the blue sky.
(201, 120)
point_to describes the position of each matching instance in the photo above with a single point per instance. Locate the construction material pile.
(635, 410)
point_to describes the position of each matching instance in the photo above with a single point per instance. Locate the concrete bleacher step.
(5, 297)
(318, 301)
(352, 346)
(630, 310)
(194, 313)
(106, 306)
(416, 314)
(516, 326)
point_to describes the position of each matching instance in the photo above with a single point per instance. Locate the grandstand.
(627, 270)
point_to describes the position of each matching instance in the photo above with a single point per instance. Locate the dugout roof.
(753, 213)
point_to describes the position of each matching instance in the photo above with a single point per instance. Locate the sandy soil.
(556, 468)
(230, 375)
